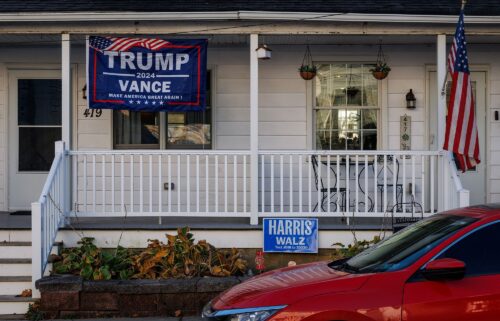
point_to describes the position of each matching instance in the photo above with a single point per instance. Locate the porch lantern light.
(84, 92)
(263, 52)
(411, 101)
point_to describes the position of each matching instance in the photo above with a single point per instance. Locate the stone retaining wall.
(73, 297)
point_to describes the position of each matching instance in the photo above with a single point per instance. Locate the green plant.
(381, 67)
(182, 257)
(92, 263)
(34, 313)
(308, 68)
(341, 251)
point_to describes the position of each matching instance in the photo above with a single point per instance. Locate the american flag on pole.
(124, 44)
(461, 129)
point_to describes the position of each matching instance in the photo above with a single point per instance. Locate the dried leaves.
(182, 257)
(179, 257)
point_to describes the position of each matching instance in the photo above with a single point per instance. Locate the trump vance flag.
(461, 136)
(146, 74)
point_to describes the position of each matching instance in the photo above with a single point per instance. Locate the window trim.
(378, 108)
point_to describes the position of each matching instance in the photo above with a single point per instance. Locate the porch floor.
(9, 221)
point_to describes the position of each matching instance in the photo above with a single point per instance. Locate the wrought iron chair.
(390, 162)
(327, 194)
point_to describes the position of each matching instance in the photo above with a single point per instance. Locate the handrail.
(47, 214)
(352, 152)
(459, 194)
(158, 152)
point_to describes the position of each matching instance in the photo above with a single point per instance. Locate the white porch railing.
(345, 183)
(47, 214)
(160, 183)
(217, 184)
(455, 195)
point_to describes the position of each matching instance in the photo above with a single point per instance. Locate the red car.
(446, 267)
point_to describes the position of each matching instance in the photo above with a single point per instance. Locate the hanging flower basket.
(381, 69)
(307, 70)
(379, 75)
(307, 75)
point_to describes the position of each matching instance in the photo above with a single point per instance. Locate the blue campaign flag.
(292, 235)
(146, 74)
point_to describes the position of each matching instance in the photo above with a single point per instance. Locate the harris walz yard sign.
(146, 74)
(292, 235)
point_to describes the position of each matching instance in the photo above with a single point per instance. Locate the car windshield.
(406, 246)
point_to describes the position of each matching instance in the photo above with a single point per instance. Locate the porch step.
(14, 285)
(13, 307)
(15, 235)
(15, 250)
(15, 267)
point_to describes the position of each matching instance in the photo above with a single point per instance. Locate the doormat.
(21, 213)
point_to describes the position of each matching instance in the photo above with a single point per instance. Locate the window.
(346, 107)
(478, 250)
(39, 122)
(408, 245)
(183, 130)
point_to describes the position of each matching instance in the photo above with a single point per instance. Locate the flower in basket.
(381, 67)
(308, 68)
(307, 72)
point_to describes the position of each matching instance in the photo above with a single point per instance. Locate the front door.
(473, 180)
(34, 126)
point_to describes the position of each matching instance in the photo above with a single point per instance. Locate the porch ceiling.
(234, 39)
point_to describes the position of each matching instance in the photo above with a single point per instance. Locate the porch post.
(441, 117)
(66, 89)
(254, 130)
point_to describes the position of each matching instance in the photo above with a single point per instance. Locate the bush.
(341, 251)
(92, 263)
(179, 257)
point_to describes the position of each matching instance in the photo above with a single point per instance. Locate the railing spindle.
(235, 183)
(300, 184)
(93, 184)
(188, 183)
(103, 182)
(169, 182)
(291, 182)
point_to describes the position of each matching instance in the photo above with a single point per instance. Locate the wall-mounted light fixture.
(84, 92)
(411, 101)
(263, 52)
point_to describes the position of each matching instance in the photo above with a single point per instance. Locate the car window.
(408, 245)
(479, 251)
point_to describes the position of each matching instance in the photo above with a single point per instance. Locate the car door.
(476, 297)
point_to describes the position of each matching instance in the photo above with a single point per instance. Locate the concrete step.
(15, 250)
(14, 306)
(15, 267)
(14, 285)
(15, 235)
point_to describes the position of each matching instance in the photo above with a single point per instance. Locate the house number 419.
(92, 113)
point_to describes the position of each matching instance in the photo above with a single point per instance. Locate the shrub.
(179, 257)
(92, 263)
(341, 251)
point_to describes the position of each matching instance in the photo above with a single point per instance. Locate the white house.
(339, 146)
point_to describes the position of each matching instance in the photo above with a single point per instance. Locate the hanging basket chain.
(307, 69)
(307, 57)
(381, 69)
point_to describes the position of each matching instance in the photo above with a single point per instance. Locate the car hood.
(288, 285)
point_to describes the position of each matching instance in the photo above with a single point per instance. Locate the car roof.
(478, 211)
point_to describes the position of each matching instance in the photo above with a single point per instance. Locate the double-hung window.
(181, 130)
(346, 109)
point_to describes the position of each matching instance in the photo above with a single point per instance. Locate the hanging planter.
(307, 70)
(381, 69)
